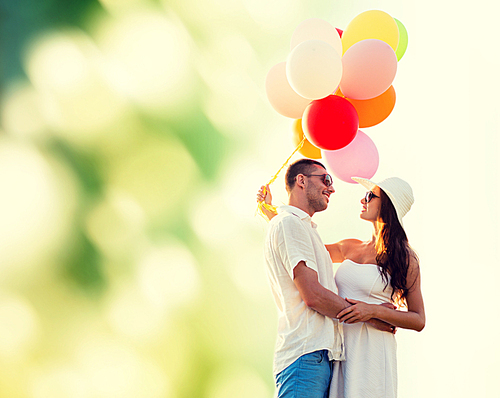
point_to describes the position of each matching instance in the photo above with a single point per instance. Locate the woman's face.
(371, 209)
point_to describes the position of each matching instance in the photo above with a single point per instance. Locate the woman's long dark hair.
(393, 250)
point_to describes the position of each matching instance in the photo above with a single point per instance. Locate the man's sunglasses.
(327, 178)
(369, 196)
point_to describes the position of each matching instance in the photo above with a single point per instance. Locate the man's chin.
(322, 207)
(319, 204)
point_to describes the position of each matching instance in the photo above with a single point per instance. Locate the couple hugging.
(336, 332)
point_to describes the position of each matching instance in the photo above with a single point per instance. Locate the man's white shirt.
(292, 237)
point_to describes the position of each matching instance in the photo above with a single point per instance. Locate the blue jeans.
(308, 377)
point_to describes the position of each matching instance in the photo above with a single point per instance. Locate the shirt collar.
(297, 212)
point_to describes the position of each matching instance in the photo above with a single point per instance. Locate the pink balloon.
(281, 95)
(358, 159)
(369, 68)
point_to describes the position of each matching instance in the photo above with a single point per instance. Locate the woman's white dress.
(370, 368)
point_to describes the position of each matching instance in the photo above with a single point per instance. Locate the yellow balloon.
(308, 150)
(372, 24)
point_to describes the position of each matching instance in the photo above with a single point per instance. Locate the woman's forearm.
(402, 319)
(360, 311)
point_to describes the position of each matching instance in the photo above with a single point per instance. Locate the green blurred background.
(134, 135)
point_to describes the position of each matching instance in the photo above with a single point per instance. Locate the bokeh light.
(116, 225)
(59, 381)
(148, 60)
(157, 173)
(19, 329)
(132, 315)
(244, 383)
(65, 68)
(37, 204)
(21, 100)
(115, 370)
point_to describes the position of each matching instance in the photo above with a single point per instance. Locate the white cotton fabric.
(292, 237)
(370, 369)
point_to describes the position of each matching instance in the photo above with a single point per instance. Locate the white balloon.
(316, 29)
(314, 69)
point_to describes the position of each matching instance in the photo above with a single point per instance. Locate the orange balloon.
(374, 110)
(308, 150)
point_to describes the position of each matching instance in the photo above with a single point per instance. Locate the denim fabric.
(308, 377)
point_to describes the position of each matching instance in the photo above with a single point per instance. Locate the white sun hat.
(398, 190)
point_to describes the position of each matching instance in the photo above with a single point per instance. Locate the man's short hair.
(301, 166)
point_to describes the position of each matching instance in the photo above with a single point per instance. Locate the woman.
(383, 269)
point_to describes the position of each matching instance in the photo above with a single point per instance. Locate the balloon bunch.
(335, 82)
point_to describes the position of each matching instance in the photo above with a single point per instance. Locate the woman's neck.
(376, 230)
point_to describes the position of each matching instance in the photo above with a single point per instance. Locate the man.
(301, 276)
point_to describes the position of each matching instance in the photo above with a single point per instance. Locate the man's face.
(317, 192)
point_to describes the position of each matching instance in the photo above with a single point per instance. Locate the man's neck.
(300, 204)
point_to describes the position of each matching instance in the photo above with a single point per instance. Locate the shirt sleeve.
(295, 245)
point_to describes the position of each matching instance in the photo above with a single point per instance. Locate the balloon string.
(268, 206)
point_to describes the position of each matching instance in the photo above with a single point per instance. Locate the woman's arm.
(413, 319)
(335, 251)
(264, 195)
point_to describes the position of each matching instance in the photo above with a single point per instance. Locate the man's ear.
(300, 180)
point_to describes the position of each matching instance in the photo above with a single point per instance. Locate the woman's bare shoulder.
(351, 242)
(339, 250)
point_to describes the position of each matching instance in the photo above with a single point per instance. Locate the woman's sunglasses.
(327, 178)
(369, 196)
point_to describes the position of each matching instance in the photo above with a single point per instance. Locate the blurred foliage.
(208, 149)
(85, 265)
(114, 292)
(84, 165)
(22, 20)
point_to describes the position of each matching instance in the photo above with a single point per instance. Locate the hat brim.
(365, 182)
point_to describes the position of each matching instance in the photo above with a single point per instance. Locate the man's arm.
(322, 300)
(314, 295)
(382, 326)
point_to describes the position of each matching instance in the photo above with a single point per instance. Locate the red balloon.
(330, 123)
(340, 32)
